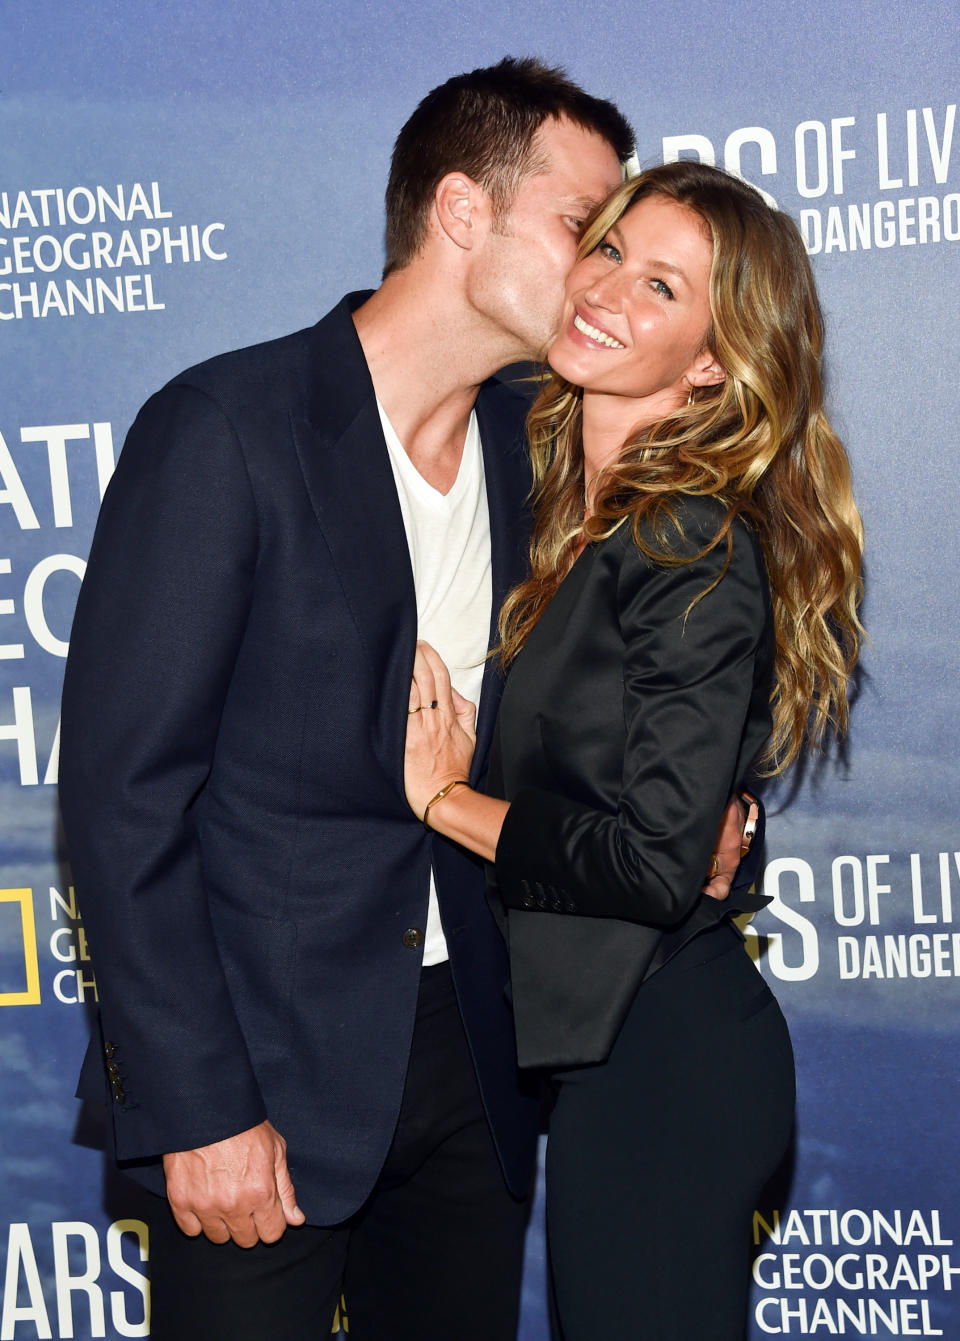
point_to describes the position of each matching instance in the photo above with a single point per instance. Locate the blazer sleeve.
(160, 617)
(692, 699)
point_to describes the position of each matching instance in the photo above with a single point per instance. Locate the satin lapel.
(348, 477)
(501, 414)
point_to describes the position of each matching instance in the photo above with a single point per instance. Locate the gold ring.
(411, 711)
(714, 866)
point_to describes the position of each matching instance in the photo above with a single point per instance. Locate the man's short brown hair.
(483, 124)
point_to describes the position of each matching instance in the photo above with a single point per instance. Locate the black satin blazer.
(628, 719)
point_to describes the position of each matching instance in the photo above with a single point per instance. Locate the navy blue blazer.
(232, 795)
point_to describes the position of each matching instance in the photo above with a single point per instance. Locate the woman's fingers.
(432, 689)
(423, 692)
(440, 731)
(433, 679)
(466, 714)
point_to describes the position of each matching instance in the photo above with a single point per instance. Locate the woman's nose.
(606, 292)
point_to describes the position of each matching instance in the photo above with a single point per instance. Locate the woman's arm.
(440, 749)
(471, 819)
(696, 712)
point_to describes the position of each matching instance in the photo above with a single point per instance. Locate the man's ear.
(460, 205)
(706, 370)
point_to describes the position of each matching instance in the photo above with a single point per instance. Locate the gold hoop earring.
(690, 396)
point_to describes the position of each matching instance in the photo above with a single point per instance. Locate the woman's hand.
(728, 849)
(440, 731)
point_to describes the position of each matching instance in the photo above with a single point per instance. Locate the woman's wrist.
(470, 819)
(444, 791)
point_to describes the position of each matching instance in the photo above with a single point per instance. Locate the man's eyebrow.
(588, 203)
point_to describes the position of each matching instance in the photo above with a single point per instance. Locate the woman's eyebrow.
(670, 267)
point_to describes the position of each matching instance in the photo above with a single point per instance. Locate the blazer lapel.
(506, 464)
(346, 469)
(348, 477)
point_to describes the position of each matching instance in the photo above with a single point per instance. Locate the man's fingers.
(292, 1213)
(247, 1224)
(269, 1230)
(187, 1221)
(217, 1231)
(269, 1223)
(229, 1190)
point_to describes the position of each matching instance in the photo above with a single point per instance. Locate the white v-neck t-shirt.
(448, 536)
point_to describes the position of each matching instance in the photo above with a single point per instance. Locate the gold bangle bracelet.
(458, 782)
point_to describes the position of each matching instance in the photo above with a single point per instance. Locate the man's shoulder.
(275, 371)
(253, 372)
(281, 351)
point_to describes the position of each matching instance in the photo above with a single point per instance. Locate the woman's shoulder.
(675, 568)
(684, 529)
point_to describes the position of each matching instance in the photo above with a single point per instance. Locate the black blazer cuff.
(532, 875)
(527, 877)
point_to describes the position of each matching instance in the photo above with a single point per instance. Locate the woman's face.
(637, 311)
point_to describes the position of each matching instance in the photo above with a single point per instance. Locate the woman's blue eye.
(609, 250)
(662, 288)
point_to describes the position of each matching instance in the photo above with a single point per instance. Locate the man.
(257, 892)
(303, 1004)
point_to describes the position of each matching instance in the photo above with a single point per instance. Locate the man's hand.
(237, 1189)
(726, 853)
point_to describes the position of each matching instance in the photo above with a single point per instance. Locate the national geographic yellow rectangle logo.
(29, 995)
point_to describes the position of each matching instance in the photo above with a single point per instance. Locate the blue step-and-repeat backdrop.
(179, 179)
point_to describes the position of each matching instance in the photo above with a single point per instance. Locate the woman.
(691, 610)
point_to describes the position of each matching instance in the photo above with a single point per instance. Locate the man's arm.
(160, 618)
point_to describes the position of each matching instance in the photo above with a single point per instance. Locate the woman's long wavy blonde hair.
(759, 442)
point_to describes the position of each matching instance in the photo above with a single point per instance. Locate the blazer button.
(541, 896)
(118, 1094)
(412, 938)
(109, 1049)
(526, 899)
(113, 1071)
